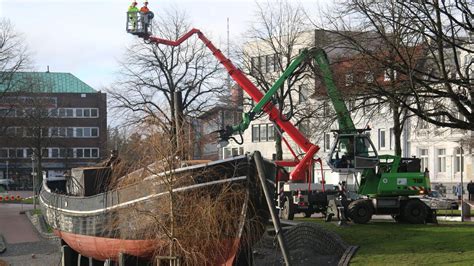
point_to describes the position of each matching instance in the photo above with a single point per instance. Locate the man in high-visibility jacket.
(144, 12)
(144, 8)
(132, 15)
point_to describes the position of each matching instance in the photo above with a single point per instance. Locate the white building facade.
(446, 153)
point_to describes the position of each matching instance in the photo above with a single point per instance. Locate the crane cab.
(352, 152)
(139, 23)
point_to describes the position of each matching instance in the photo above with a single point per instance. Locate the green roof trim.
(43, 82)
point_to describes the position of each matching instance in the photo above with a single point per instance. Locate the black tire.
(308, 214)
(288, 211)
(360, 211)
(415, 212)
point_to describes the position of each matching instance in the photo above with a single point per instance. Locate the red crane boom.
(301, 167)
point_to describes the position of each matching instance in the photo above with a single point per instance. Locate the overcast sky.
(87, 37)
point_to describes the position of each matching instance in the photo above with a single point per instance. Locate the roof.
(44, 82)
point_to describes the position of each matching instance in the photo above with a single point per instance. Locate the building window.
(54, 152)
(44, 153)
(303, 127)
(255, 65)
(369, 76)
(70, 132)
(79, 112)
(86, 131)
(327, 142)
(87, 152)
(62, 153)
(386, 76)
(349, 79)
(94, 132)
(54, 132)
(458, 161)
(3, 153)
(69, 112)
(20, 153)
(79, 132)
(229, 152)
(268, 63)
(326, 109)
(11, 153)
(351, 105)
(391, 138)
(424, 158)
(263, 132)
(303, 94)
(271, 132)
(95, 153)
(255, 133)
(441, 160)
(53, 112)
(94, 112)
(75, 112)
(381, 139)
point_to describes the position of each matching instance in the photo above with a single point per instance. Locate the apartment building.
(52, 119)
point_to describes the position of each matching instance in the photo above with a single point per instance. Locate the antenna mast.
(228, 52)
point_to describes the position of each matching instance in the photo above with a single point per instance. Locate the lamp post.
(462, 185)
(7, 169)
(33, 176)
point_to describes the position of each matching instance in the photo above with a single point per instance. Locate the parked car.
(437, 201)
(6, 182)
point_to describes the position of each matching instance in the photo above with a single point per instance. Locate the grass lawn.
(389, 243)
(452, 213)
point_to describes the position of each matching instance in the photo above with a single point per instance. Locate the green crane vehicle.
(388, 184)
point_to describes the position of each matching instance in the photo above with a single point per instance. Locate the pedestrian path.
(15, 227)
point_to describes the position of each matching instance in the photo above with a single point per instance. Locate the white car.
(436, 201)
(6, 182)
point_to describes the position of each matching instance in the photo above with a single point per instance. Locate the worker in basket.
(132, 15)
(146, 16)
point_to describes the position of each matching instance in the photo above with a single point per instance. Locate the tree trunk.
(278, 147)
(397, 128)
(179, 127)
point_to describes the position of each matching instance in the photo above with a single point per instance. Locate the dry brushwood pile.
(203, 225)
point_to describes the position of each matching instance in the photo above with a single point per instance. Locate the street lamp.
(33, 174)
(462, 185)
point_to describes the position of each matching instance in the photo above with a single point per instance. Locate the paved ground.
(15, 227)
(24, 245)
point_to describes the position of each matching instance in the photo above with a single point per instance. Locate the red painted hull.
(102, 248)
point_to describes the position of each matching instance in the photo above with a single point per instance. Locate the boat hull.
(84, 222)
(103, 248)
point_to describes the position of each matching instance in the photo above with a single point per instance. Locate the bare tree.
(13, 58)
(168, 85)
(277, 35)
(426, 46)
(13, 54)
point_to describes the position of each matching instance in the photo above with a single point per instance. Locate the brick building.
(52, 120)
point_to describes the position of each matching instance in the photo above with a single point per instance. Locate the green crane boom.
(346, 125)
